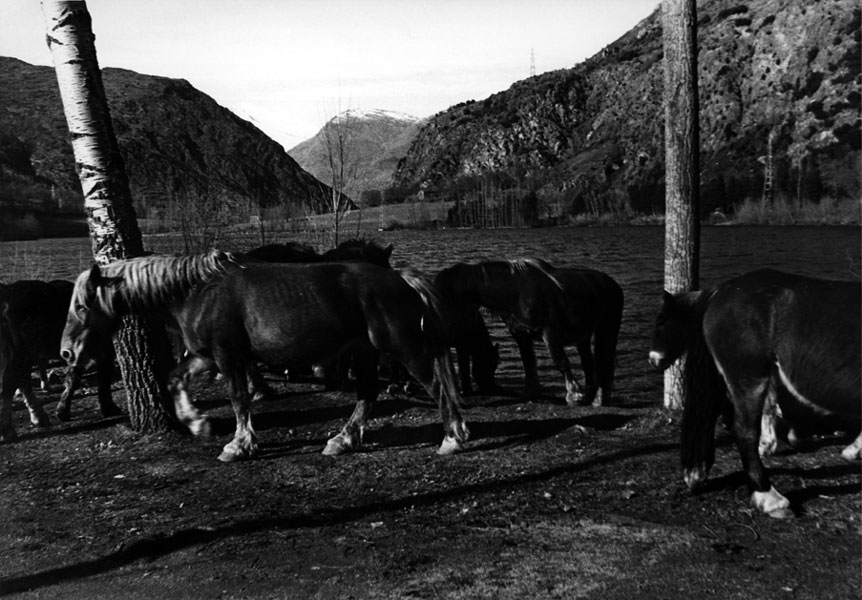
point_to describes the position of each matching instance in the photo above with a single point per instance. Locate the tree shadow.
(161, 545)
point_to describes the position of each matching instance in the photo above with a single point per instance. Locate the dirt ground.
(546, 502)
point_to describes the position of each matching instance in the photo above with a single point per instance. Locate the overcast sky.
(290, 65)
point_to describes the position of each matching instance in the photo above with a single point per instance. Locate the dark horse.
(348, 250)
(32, 316)
(762, 337)
(232, 316)
(561, 306)
(355, 249)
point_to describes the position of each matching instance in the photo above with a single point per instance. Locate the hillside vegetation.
(184, 153)
(590, 138)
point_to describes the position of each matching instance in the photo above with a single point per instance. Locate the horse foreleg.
(464, 374)
(367, 388)
(70, 384)
(104, 373)
(244, 443)
(38, 416)
(528, 358)
(574, 394)
(7, 430)
(592, 393)
(179, 385)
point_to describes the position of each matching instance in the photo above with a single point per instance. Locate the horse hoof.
(577, 399)
(695, 478)
(772, 503)
(851, 453)
(336, 446)
(229, 455)
(63, 415)
(449, 446)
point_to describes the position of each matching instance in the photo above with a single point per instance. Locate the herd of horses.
(760, 344)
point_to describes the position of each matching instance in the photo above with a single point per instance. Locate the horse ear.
(95, 277)
(667, 297)
(387, 251)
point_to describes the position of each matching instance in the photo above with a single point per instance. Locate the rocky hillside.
(179, 146)
(593, 134)
(375, 142)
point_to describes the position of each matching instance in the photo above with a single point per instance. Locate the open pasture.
(547, 501)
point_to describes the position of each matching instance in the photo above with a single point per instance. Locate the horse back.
(803, 330)
(287, 311)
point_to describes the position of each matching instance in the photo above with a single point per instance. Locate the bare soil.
(546, 502)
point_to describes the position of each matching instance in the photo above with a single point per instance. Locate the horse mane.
(523, 265)
(152, 280)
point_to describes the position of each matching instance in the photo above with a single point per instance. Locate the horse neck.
(158, 282)
(494, 285)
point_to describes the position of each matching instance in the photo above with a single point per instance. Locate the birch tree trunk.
(682, 164)
(140, 346)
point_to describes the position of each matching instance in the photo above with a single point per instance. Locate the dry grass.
(783, 211)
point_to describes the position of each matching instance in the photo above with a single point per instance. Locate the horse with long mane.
(232, 316)
(761, 338)
(562, 306)
(32, 317)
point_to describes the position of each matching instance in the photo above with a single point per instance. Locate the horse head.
(673, 328)
(362, 250)
(89, 320)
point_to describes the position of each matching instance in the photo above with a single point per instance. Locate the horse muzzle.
(68, 355)
(658, 360)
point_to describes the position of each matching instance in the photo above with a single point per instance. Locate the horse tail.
(705, 397)
(436, 336)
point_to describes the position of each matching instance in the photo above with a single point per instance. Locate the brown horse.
(233, 316)
(762, 337)
(559, 306)
(32, 316)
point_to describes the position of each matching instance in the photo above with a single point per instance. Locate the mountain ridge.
(593, 134)
(178, 145)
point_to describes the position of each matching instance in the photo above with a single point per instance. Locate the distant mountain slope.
(378, 139)
(781, 67)
(178, 143)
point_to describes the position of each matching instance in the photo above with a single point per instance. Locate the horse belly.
(295, 340)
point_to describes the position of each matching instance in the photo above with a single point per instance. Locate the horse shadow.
(494, 434)
(285, 418)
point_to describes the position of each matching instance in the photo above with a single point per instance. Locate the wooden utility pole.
(682, 163)
(141, 346)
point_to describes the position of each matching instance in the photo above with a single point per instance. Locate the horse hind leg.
(38, 416)
(367, 388)
(768, 434)
(436, 374)
(179, 385)
(748, 401)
